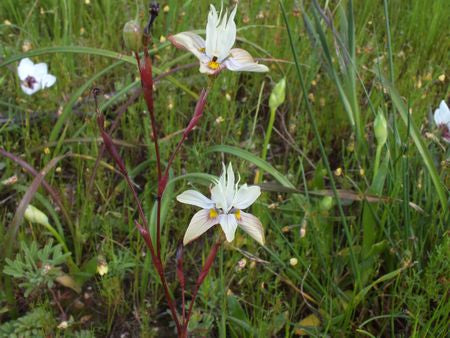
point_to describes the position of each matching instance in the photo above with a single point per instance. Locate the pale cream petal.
(25, 68)
(251, 225)
(229, 226)
(199, 224)
(246, 196)
(193, 197)
(241, 61)
(189, 41)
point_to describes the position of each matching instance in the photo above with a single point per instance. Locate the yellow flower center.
(214, 65)
(237, 214)
(213, 213)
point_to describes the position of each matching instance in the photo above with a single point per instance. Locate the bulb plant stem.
(144, 64)
(156, 257)
(145, 69)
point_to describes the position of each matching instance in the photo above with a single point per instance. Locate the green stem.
(267, 138)
(377, 161)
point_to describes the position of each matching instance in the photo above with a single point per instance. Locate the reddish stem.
(199, 108)
(205, 270)
(145, 69)
(156, 259)
(160, 269)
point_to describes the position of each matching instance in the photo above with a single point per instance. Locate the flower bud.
(278, 95)
(380, 128)
(326, 203)
(34, 215)
(132, 35)
(102, 266)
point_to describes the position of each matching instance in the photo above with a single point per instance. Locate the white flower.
(442, 120)
(34, 77)
(216, 53)
(224, 208)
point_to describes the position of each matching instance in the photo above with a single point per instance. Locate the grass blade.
(415, 134)
(354, 264)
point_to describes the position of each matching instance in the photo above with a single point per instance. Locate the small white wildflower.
(34, 77)
(217, 52)
(442, 120)
(224, 208)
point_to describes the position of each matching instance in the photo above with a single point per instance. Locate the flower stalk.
(145, 69)
(228, 199)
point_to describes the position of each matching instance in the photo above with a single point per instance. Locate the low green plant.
(37, 323)
(36, 267)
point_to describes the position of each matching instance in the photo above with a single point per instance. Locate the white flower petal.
(199, 224)
(31, 91)
(229, 225)
(246, 196)
(189, 41)
(48, 80)
(442, 114)
(227, 35)
(211, 32)
(241, 61)
(230, 189)
(251, 225)
(39, 71)
(218, 192)
(25, 68)
(195, 198)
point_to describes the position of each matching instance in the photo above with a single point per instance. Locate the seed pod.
(132, 36)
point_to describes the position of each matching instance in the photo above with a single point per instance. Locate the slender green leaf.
(247, 156)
